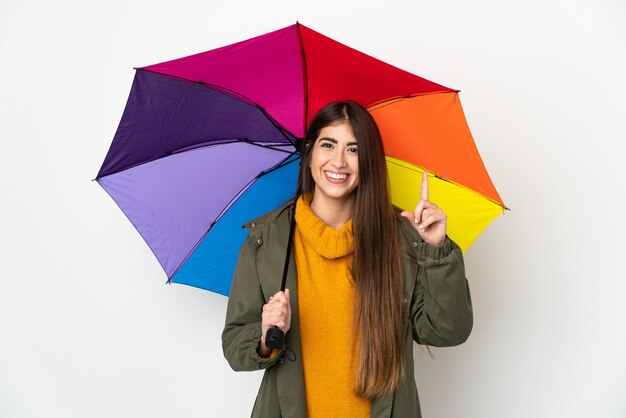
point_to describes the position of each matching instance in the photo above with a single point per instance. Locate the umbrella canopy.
(207, 142)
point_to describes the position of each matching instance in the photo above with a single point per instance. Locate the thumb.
(287, 294)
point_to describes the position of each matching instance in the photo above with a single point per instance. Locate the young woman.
(364, 282)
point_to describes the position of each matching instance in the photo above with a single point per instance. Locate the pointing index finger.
(425, 185)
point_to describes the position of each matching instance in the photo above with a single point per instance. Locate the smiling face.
(335, 164)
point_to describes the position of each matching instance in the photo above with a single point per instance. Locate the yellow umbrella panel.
(468, 212)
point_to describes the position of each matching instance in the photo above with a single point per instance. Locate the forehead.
(341, 131)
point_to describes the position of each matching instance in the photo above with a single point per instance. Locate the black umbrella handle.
(274, 337)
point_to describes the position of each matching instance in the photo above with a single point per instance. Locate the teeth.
(336, 176)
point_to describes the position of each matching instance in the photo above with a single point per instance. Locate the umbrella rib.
(504, 208)
(392, 100)
(217, 218)
(305, 76)
(283, 163)
(268, 146)
(272, 146)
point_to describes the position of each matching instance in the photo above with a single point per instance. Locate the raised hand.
(428, 219)
(276, 312)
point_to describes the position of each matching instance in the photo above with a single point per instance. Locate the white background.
(89, 329)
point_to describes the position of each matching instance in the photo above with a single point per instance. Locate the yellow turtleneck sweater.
(325, 304)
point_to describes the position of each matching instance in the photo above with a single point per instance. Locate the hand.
(276, 312)
(428, 219)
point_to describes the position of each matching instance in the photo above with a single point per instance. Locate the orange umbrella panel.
(431, 132)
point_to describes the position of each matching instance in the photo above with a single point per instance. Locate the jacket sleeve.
(242, 330)
(441, 309)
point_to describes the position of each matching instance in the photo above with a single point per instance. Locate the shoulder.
(276, 218)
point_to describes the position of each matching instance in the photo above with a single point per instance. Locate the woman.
(364, 282)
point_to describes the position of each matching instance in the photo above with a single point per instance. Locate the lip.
(334, 180)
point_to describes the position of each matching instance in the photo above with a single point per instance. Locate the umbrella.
(208, 141)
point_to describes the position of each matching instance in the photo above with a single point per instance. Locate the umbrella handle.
(275, 338)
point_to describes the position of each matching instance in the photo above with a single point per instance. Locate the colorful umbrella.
(207, 142)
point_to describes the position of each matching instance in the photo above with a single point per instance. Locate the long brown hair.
(379, 309)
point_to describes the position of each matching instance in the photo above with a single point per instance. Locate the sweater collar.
(325, 240)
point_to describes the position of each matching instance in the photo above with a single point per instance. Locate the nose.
(339, 159)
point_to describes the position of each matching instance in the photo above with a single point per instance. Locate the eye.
(326, 145)
(353, 150)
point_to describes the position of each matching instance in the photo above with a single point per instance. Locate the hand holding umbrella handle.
(276, 320)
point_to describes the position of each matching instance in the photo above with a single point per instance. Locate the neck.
(334, 213)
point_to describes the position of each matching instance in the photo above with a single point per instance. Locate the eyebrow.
(334, 141)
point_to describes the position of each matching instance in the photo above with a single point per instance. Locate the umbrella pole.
(274, 337)
(289, 244)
